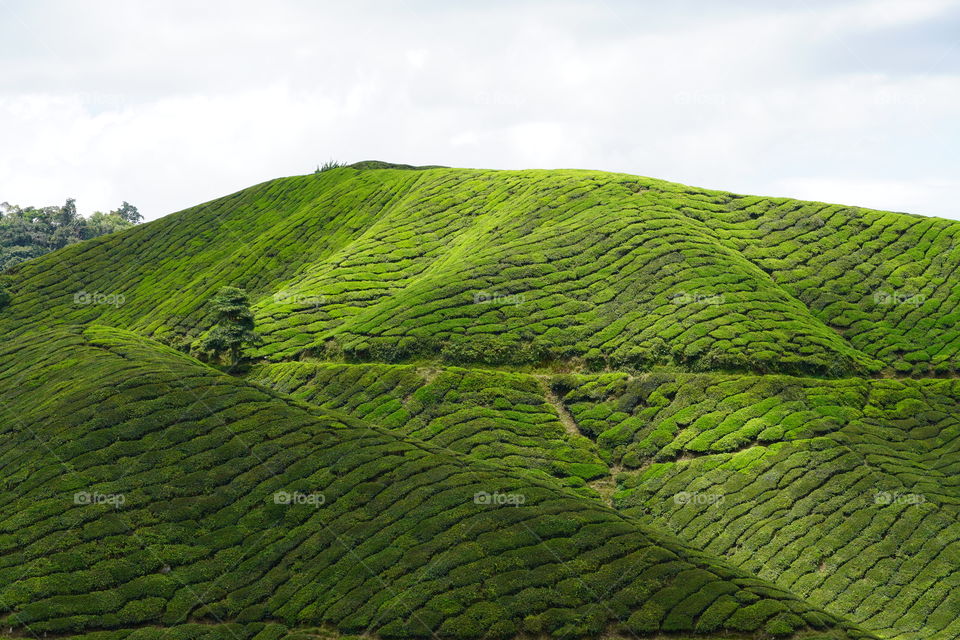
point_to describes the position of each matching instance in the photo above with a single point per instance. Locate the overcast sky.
(168, 104)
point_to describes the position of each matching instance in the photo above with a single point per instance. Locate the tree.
(128, 212)
(100, 223)
(4, 296)
(233, 328)
(66, 215)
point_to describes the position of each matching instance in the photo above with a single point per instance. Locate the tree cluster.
(30, 232)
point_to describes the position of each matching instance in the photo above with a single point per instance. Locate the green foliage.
(789, 452)
(399, 547)
(29, 232)
(691, 391)
(329, 164)
(582, 270)
(128, 213)
(830, 488)
(233, 330)
(497, 416)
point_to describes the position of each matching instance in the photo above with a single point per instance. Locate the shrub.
(329, 164)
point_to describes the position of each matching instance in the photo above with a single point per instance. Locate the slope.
(629, 329)
(143, 488)
(843, 491)
(525, 268)
(489, 415)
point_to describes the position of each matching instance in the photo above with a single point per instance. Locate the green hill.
(843, 491)
(144, 490)
(531, 267)
(498, 404)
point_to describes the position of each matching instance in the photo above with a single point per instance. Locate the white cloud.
(168, 105)
(883, 14)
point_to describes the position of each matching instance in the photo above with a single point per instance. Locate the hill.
(531, 268)
(487, 404)
(153, 499)
(842, 491)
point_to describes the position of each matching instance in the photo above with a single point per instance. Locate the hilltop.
(495, 404)
(526, 268)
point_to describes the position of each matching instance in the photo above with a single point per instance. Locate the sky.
(170, 104)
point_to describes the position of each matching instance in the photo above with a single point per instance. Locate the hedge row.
(844, 492)
(494, 415)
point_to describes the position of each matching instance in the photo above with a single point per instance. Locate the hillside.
(499, 404)
(396, 543)
(526, 268)
(842, 491)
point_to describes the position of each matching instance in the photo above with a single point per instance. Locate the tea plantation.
(490, 415)
(529, 268)
(487, 404)
(143, 490)
(836, 489)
